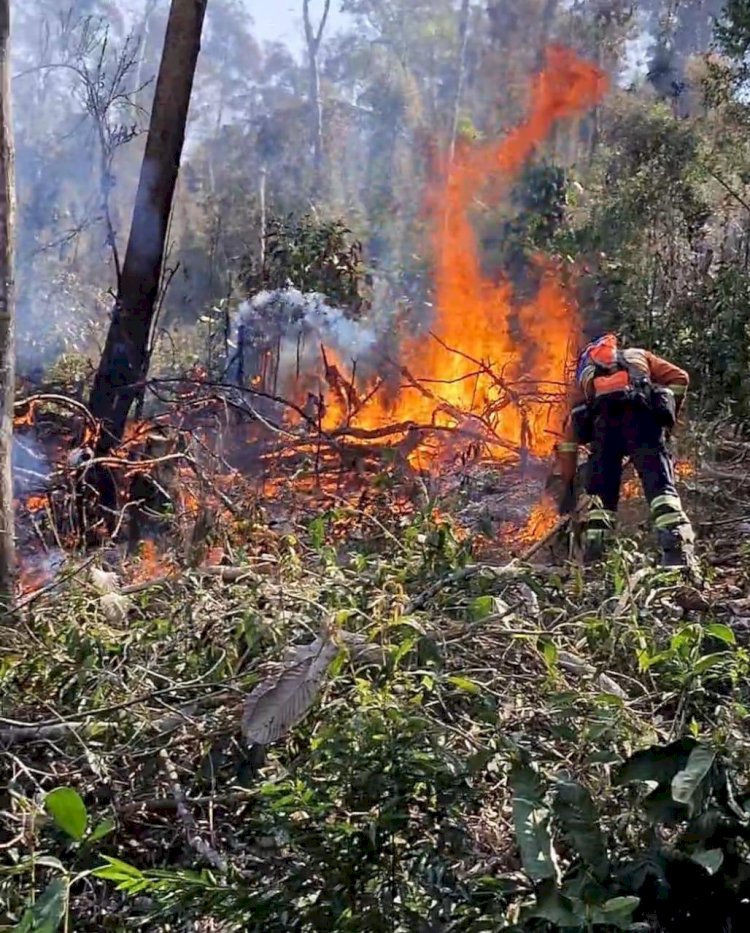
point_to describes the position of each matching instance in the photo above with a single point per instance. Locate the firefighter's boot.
(598, 530)
(676, 536)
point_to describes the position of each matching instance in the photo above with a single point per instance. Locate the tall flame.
(480, 334)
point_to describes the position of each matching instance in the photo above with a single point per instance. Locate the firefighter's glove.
(567, 502)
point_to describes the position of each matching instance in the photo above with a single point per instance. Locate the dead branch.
(28, 734)
(194, 837)
(224, 574)
(169, 804)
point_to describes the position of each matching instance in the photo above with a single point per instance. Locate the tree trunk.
(7, 314)
(125, 358)
(463, 39)
(314, 38)
(263, 217)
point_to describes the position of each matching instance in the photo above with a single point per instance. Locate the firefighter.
(625, 404)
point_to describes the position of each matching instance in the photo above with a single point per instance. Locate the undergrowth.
(530, 749)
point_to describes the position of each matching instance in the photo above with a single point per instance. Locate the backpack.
(604, 370)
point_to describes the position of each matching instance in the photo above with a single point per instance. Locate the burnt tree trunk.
(7, 314)
(125, 358)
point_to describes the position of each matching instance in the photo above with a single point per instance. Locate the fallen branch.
(28, 734)
(169, 804)
(466, 573)
(194, 838)
(225, 574)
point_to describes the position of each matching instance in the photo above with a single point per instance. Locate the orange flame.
(505, 353)
(35, 503)
(151, 564)
(542, 519)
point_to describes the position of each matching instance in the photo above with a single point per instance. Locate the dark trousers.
(627, 429)
(624, 429)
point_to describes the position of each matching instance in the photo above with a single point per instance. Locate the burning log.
(342, 388)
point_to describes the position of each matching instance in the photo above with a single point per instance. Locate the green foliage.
(48, 912)
(312, 255)
(693, 793)
(531, 819)
(537, 208)
(733, 29)
(68, 811)
(389, 807)
(575, 812)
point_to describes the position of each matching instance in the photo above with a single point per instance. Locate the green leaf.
(710, 859)
(659, 763)
(463, 683)
(68, 810)
(579, 820)
(48, 911)
(317, 531)
(403, 649)
(531, 821)
(687, 782)
(708, 661)
(647, 661)
(722, 632)
(552, 906)
(101, 830)
(617, 912)
(116, 870)
(482, 607)
(548, 651)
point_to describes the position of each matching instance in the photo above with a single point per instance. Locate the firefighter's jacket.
(660, 373)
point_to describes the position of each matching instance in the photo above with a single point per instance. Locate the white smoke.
(290, 313)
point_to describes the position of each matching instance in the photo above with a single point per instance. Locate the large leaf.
(531, 819)
(280, 702)
(68, 810)
(48, 911)
(577, 815)
(617, 912)
(710, 859)
(552, 906)
(687, 784)
(722, 632)
(659, 763)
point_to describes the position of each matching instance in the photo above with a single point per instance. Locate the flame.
(36, 503)
(685, 469)
(151, 564)
(26, 418)
(37, 571)
(489, 357)
(542, 519)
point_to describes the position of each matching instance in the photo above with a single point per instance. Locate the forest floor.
(417, 790)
